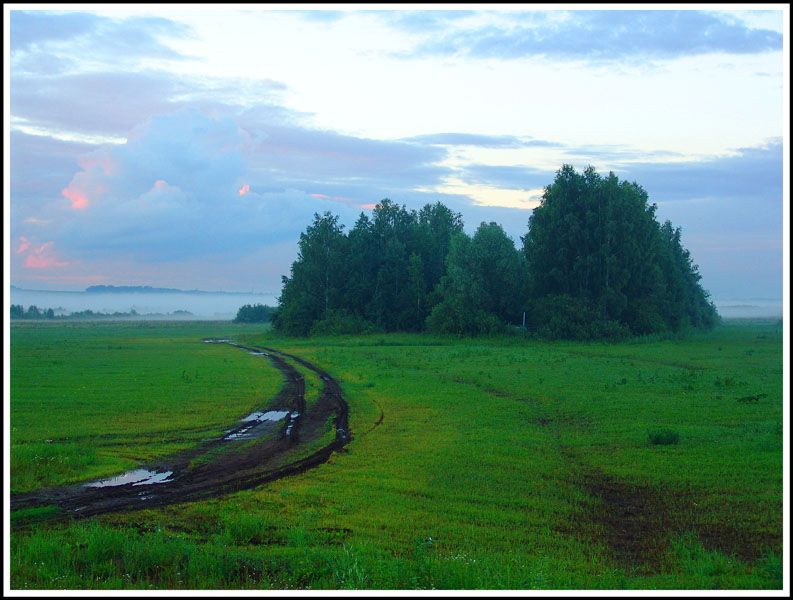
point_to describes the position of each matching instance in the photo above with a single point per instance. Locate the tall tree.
(595, 248)
(318, 276)
(484, 285)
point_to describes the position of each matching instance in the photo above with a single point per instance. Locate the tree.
(483, 288)
(594, 247)
(254, 313)
(318, 274)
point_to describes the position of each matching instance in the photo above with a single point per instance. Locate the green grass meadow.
(487, 463)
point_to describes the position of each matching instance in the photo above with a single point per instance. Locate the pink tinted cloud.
(245, 189)
(160, 184)
(43, 257)
(83, 191)
(24, 244)
(368, 206)
(339, 198)
(78, 199)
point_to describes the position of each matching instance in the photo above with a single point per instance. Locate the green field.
(489, 463)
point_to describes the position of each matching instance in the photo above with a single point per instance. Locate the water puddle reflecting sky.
(260, 423)
(135, 477)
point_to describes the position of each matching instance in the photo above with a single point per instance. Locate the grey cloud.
(325, 155)
(608, 35)
(170, 191)
(753, 173)
(483, 141)
(112, 102)
(123, 39)
(320, 16)
(108, 103)
(40, 166)
(423, 20)
(39, 63)
(514, 177)
(27, 28)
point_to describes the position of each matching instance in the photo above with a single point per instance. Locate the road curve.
(221, 465)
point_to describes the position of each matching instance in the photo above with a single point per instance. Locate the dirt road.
(253, 451)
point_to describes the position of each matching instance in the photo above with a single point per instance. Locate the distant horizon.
(131, 288)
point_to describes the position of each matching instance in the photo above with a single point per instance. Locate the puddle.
(136, 477)
(260, 423)
(292, 420)
(270, 415)
(240, 435)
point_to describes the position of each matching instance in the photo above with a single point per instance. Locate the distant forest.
(125, 289)
(594, 263)
(35, 313)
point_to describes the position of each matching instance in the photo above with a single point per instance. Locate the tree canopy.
(595, 248)
(594, 263)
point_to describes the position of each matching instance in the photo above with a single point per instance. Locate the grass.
(475, 464)
(93, 399)
(663, 437)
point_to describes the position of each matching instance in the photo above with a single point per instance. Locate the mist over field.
(754, 308)
(204, 305)
(224, 305)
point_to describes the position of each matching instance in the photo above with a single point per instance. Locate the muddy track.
(252, 452)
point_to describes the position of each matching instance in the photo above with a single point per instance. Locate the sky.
(189, 147)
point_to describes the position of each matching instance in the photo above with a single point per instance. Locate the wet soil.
(637, 522)
(253, 451)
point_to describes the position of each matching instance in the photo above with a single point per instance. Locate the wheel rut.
(253, 451)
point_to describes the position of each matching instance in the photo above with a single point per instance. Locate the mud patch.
(638, 523)
(633, 520)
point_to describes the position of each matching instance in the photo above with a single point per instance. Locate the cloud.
(175, 180)
(320, 16)
(603, 35)
(39, 169)
(123, 40)
(24, 244)
(482, 141)
(109, 103)
(423, 20)
(507, 176)
(748, 174)
(300, 157)
(42, 257)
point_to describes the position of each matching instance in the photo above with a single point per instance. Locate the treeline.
(125, 289)
(33, 312)
(594, 263)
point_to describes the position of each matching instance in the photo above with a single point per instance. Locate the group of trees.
(33, 312)
(594, 263)
(383, 274)
(254, 313)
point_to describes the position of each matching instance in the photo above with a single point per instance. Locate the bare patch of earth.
(637, 523)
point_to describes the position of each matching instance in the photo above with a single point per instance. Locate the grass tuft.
(663, 437)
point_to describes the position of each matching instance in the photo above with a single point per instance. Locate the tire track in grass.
(246, 456)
